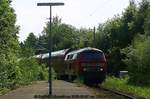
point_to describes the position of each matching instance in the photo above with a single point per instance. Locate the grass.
(4, 90)
(122, 85)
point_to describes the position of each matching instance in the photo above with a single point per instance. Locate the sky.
(79, 13)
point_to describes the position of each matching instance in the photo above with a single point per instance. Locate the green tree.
(31, 41)
(116, 34)
(138, 55)
(138, 52)
(63, 35)
(141, 17)
(29, 47)
(8, 44)
(102, 38)
(85, 37)
(147, 24)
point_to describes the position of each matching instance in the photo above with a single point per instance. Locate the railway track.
(117, 93)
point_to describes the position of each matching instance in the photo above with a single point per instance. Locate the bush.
(7, 70)
(29, 70)
(138, 55)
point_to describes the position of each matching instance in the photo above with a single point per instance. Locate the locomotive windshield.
(91, 55)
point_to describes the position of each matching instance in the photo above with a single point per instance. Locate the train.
(88, 64)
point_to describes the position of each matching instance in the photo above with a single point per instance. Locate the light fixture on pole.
(50, 40)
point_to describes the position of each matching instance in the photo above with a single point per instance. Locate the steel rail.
(118, 93)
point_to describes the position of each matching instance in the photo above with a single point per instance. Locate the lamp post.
(94, 37)
(50, 40)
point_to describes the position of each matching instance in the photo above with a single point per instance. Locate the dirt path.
(60, 90)
(69, 89)
(28, 92)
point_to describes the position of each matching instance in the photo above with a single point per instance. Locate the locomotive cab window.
(69, 57)
(91, 55)
(74, 56)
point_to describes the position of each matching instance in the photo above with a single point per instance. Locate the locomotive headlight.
(101, 69)
(84, 69)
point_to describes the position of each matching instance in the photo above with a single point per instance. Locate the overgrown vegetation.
(138, 55)
(16, 65)
(125, 40)
(123, 86)
(29, 70)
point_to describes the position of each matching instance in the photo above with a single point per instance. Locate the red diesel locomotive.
(88, 64)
